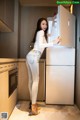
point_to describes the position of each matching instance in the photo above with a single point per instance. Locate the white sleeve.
(42, 43)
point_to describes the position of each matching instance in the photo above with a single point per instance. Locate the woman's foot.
(31, 104)
(38, 108)
(34, 110)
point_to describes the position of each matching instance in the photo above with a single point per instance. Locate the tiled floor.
(47, 112)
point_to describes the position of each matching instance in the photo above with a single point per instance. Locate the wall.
(29, 17)
(77, 85)
(9, 41)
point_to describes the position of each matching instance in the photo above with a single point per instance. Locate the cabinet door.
(2, 9)
(60, 84)
(4, 91)
(7, 103)
(6, 15)
(9, 17)
(41, 89)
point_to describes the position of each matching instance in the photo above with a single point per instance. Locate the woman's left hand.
(48, 35)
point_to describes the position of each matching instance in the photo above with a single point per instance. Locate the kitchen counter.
(8, 60)
(24, 60)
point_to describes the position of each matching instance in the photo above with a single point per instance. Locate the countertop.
(7, 60)
(23, 60)
(10, 60)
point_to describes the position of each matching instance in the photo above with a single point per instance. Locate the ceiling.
(38, 2)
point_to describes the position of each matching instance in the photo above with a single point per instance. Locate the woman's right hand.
(58, 40)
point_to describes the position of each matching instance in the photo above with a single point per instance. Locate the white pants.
(32, 62)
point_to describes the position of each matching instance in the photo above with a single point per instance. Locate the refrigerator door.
(59, 84)
(60, 56)
(63, 25)
(66, 22)
(52, 28)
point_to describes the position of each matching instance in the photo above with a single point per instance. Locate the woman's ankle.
(34, 108)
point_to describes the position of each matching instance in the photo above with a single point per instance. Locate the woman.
(32, 60)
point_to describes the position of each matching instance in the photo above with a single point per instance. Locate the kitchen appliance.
(13, 80)
(63, 25)
(13, 73)
(60, 59)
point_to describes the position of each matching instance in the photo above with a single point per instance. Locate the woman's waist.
(36, 51)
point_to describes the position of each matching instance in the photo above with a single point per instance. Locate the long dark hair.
(39, 28)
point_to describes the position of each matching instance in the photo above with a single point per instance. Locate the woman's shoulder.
(40, 32)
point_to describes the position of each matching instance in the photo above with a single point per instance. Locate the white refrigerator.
(60, 61)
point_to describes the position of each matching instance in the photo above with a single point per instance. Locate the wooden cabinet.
(7, 103)
(41, 89)
(9, 17)
(6, 15)
(3, 91)
(2, 4)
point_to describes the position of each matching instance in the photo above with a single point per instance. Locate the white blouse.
(41, 43)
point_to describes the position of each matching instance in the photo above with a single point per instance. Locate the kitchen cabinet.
(2, 4)
(6, 15)
(41, 89)
(3, 91)
(9, 17)
(7, 103)
(23, 91)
